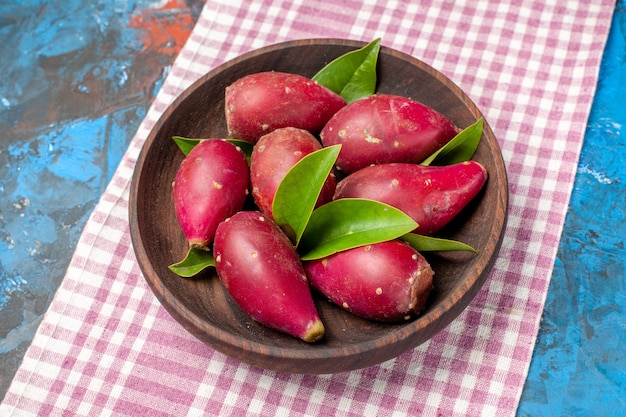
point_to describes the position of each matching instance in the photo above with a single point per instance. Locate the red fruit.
(259, 103)
(387, 281)
(263, 274)
(430, 195)
(386, 128)
(211, 185)
(274, 155)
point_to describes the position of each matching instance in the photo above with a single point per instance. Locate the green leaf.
(461, 148)
(195, 261)
(351, 222)
(299, 189)
(352, 75)
(187, 144)
(434, 244)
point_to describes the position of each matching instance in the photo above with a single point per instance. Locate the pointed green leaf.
(461, 148)
(187, 144)
(350, 222)
(352, 75)
(433, 244)
(299, 189)
(195, 261)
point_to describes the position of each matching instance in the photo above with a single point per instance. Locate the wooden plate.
(202, 306)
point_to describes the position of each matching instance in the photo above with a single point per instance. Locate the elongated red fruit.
(259, 103)
(430, 195)
(386, 128)
(211, 185)
(388, 281)
(263, 274)
(273, 156)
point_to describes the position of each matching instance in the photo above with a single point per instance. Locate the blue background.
(77, 79)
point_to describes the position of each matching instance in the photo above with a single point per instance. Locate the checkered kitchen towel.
(107, 347)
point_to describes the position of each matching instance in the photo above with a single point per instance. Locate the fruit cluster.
(341, 186)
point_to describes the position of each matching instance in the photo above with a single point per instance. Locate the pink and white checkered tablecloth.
(107, 347)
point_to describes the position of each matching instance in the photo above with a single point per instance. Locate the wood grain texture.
(202, 306)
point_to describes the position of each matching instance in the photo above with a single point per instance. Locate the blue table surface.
(78, 79)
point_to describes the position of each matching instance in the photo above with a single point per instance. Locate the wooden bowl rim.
(225, 341)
